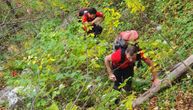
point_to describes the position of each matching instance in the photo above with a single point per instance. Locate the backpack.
(82, 11)
(120, 43)
(123, 38)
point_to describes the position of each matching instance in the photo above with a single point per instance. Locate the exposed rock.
(9, 96)
(27, 71)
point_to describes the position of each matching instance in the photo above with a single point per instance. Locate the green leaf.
(128, 104)
(70, 106)
(55, 93)
(54, 106)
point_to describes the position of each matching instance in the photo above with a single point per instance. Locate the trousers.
(122, 75)
(96, 30)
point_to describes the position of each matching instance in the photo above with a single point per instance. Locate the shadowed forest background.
(48, 62)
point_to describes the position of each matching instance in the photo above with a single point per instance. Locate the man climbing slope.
(120, 66)
(92, 18)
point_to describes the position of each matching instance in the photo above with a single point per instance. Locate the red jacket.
(85, 17)
(116, 59)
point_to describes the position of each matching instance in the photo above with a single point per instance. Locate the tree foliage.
(135, 6)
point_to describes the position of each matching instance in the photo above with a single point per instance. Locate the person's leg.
(118, 81)
(128, 85)
(97, 29)
(116, 85)
(128, 75)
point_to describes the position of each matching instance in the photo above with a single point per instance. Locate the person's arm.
(149, 62)
(109, 68)
(97, 20)
(85, 23)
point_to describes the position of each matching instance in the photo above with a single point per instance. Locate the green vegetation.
(59, 67)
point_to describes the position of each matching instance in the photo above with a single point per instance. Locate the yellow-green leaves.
(135, 6)
(129, 101)
(70, 106)
(58, 4)
(112, 17)
(54, 106)
(111, 21)
(84, 3)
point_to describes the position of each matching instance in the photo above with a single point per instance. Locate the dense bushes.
(61, 68)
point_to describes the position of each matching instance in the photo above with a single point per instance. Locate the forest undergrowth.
(49, 61)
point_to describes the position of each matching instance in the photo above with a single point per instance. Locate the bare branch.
(180, 69)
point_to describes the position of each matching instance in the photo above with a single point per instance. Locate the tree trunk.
(181, 68)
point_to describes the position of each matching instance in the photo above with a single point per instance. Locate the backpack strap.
(139, 63)
(122, 55)
(120, 43)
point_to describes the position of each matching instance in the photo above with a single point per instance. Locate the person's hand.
(112, 77)
(156, 82)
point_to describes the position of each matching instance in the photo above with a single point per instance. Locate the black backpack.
(82, 11)
(120, 43)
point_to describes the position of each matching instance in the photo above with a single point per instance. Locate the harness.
(123, 49)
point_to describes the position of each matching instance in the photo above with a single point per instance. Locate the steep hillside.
(48, 62)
